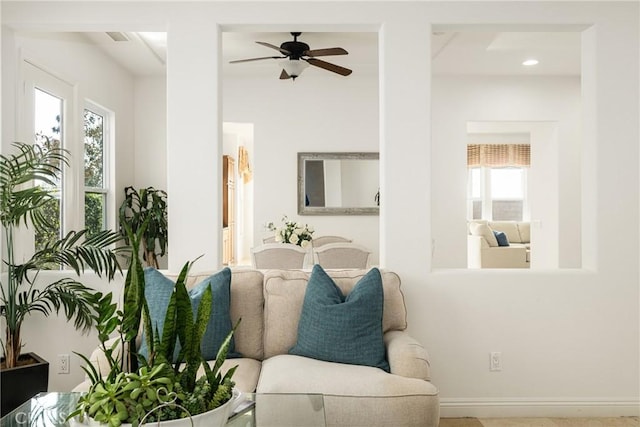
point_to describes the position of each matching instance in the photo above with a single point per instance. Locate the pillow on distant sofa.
(501, 238)
(158, 291)
(342, 329)
(480, 229)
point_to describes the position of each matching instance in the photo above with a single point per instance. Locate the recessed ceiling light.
(530, 62)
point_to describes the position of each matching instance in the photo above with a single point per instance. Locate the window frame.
(73, 179)
(107, 135)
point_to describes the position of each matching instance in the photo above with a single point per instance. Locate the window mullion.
(487, 207)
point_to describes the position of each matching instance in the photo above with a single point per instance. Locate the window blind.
(498, 155)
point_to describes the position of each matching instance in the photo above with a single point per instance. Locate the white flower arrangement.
(292, 232)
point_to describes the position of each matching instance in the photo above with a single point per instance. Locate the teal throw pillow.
(219, 324)
(158, 291)
(501, 237)
(342, 329)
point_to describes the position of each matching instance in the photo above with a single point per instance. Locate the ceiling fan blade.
(282, 51)
(326, 52)
(284, 75)
(328, 66)
(256, 59)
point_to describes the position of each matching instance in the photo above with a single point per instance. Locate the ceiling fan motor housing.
(296, 48)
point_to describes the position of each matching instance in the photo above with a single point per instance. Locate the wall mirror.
(338, 184)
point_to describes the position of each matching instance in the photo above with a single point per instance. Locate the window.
(497, 182)
(48, 115)
(48, 103)
(507, 193)
(95, 190)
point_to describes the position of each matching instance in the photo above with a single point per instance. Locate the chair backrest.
(269, 239)
(342, 255)
(278, 255)
(324, 240)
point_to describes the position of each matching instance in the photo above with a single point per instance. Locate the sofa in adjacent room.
(499, 244)
(270, 304)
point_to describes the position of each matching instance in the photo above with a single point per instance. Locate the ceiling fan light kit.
(299, 56)
(294, 67)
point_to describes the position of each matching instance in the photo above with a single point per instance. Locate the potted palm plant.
(146, 205)
(26, 180)
(164, 385)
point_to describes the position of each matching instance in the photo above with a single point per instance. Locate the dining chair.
(269, 239)
(342, 255)
(278, 256)
(324, 240)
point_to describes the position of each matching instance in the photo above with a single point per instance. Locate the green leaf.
(169, 333)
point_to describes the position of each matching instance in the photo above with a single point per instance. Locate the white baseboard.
(534, 407)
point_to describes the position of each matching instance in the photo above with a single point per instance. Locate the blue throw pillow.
(342, 329)
(501, 238)
(219, 324)
(158, 291)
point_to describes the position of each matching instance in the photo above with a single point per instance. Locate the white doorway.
(238, 143)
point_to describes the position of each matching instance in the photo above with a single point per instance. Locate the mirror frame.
(315, 210)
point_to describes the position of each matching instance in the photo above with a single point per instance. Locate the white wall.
(150, 100)
(53, 335)
(569, 338)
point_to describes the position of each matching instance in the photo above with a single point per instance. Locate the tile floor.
(541, 422)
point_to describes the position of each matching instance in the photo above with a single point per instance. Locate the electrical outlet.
(495, 361)
(63, 363)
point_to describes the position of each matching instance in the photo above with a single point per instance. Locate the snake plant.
(159, 387)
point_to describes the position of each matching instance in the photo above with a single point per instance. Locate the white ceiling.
(502, 53)
(453, 52)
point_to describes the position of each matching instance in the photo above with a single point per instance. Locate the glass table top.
(255, 410)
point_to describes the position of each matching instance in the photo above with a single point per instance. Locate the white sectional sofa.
(484, 250)
(270, 305)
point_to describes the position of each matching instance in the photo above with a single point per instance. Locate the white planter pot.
(214, 418)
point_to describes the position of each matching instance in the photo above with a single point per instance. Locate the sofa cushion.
(525, 232)
(510, 228)
(339, 328)
(480, 229)
(158, 291)
(284, 294)
(353, 395)
(501, 238)
(247, 302)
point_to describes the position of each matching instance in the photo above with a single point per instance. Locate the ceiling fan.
(300, 56)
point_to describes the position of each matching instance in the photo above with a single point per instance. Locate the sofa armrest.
(475, 246)
(406, 356)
